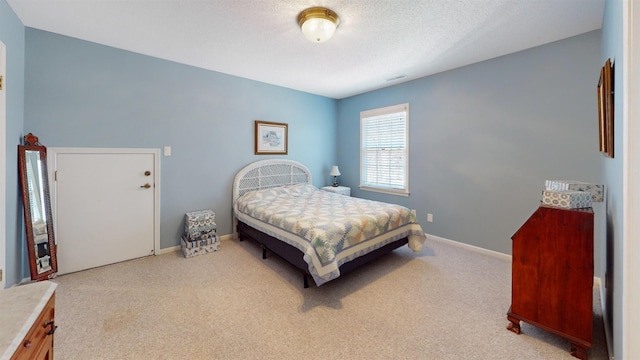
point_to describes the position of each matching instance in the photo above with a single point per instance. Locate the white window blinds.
(384, 149)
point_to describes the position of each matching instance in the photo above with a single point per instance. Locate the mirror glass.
(37, 209)
(38, 214)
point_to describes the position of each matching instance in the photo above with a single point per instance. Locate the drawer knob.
(27, 344)
(53, 329)
(53, 326)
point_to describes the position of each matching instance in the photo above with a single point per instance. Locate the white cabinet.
(342, 190)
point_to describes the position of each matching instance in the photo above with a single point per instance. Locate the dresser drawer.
(38, 343)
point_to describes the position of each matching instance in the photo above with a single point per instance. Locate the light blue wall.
(613, 175)
(485, 137)
(80, 94)
(12, 35)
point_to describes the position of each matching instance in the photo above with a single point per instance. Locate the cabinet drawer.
(37, 337)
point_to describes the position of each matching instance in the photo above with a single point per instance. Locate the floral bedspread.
(330, 229)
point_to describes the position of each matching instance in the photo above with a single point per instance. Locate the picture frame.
(601, 116)
(606, 110)
(271, 138)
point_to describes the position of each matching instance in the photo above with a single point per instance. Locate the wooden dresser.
(552, 275)
(27, 315)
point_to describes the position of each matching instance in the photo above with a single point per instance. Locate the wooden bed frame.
(278, 172)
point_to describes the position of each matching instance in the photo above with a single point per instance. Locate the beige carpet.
(444, 303)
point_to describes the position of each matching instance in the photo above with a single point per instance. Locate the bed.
(321, 233)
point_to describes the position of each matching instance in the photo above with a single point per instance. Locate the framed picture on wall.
(270, 138)
(605, 109)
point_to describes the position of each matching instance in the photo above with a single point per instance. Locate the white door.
(105, 208)
(631, 190)
(3, 157)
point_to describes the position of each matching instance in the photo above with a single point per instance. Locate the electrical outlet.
(429, 217)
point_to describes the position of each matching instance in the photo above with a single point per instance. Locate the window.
(384, 150)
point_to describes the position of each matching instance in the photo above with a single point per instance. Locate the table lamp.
(335, 173)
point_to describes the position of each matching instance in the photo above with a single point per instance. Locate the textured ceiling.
(377, 40)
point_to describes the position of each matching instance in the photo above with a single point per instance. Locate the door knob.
(146, 186)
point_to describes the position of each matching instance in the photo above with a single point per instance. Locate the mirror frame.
(31, 143)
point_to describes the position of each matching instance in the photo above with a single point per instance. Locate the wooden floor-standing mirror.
(41, 246)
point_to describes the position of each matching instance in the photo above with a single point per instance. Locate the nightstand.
(342, 190)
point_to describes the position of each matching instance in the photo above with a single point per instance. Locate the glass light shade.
(334, 171)
(318, 30)
(318, 24)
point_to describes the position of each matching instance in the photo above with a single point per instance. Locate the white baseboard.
(162, 252)
(605, 318)
(470, 247)
(177, 247)
(596, 281)
(169, 250)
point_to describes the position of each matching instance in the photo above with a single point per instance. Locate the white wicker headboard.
(269, 173)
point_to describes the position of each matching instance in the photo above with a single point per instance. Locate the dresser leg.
(514, 324)
(578, 351)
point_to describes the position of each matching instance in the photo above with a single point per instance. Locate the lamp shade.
(318, 24)
(334, 171)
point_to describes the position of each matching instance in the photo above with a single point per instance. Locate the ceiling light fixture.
(318, 24)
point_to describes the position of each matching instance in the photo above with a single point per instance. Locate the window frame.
(381, 112)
